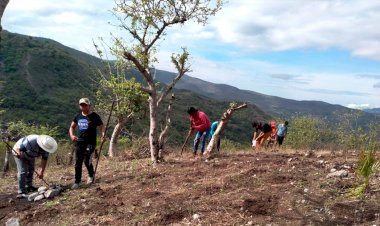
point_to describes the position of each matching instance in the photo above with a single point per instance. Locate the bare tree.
(162, 139)
(146, 22)
(3, 4)
(221, 125)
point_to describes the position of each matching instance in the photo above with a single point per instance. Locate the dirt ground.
(239, 188)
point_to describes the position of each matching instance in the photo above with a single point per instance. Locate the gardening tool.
(101, 144)
(187, 138)
(38, 175)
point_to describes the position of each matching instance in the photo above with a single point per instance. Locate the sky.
(325, 50)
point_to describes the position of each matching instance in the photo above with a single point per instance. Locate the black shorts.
(280, 139)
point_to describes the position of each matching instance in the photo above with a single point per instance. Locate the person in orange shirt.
(273, 136)
(263, 136)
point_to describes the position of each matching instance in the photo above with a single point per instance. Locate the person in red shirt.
(200, 123)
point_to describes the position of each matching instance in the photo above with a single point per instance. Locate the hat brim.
(53, 144)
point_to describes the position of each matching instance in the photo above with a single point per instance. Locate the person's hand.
(74, 138)
(18, 152)
(40, 175)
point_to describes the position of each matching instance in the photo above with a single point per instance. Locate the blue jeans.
(201, 135)
(25, 170)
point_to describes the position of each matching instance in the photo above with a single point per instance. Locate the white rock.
(305, 190)
(12, 222)
(42, 189)
(196, 216)
(39, 197)
(32, 196)
(51, 193)
(339, 173)
(332, 170)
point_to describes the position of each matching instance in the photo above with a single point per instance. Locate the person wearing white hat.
(25, 151)
(86, 123)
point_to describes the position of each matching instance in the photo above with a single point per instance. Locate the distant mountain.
(372, 110)
(276, 106)
(42, 80)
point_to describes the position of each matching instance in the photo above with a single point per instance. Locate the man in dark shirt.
(86, 122)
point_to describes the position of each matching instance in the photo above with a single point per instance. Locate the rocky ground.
(236, 188)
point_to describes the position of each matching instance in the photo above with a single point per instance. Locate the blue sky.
(327, 50)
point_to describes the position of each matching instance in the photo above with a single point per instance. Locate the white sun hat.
(47, 143)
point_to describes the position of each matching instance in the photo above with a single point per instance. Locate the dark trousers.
(84, 153)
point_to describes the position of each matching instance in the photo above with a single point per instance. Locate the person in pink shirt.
(200, 123)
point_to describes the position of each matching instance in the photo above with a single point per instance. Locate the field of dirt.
(235, 188)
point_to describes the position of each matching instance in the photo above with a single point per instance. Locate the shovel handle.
(184, 143)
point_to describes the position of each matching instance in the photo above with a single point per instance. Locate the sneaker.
(90, 180)
(31, 189)
(75, 186)
(21, 196)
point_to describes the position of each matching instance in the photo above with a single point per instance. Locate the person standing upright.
(87, 122)
(199, 122)
(282, 130)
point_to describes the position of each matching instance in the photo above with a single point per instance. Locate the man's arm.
(103, 129)
(17, 152)
(43, 167)
(71, 131)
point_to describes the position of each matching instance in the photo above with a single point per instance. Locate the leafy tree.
(129, 99)
(146, 22)
(19, 129)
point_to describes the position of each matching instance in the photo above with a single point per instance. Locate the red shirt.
(200, 121)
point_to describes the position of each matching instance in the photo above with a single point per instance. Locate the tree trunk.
(164, 133)
(3, 4)
(153, 133)
(221, 125)
(115, 136)
(6, 160)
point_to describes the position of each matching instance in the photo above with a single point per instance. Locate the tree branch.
(3, 4)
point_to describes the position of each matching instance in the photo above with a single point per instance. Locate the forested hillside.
(42, 81)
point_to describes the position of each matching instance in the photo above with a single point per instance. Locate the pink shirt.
(200, 121)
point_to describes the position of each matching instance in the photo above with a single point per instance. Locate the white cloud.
(72, 22)
(358, 106)
(221, 51)
(284, 25)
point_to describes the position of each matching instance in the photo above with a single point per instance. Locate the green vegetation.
(43, 81)
(368, 162)
(306, 132)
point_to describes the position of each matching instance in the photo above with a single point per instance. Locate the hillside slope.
(276, 106)
(237, 188)
(43, 80)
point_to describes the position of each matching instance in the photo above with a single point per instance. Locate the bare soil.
(239, 188)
